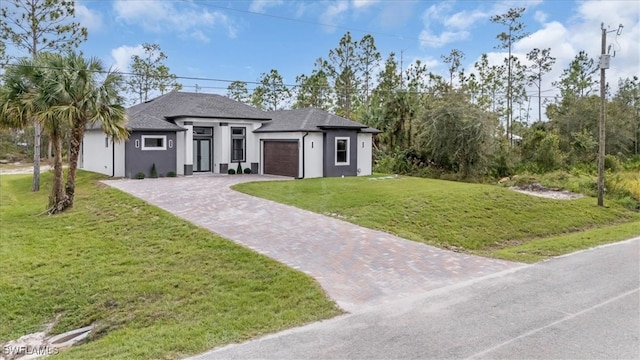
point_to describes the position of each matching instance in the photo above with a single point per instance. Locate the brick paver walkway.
(357, 267)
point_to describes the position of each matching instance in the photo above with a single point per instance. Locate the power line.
(131, 74)
(309, 22)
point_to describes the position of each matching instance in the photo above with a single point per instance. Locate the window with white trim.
(238, 144)
(342, 150)
(154, 142)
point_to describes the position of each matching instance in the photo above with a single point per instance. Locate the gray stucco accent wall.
(330, 168)
(137, 160)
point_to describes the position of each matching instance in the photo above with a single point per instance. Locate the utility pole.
(604, 64)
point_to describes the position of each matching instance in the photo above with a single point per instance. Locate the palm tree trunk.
(58, 198)
(74, 152)
(37, 130)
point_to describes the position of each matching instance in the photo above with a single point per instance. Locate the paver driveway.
(357, 267)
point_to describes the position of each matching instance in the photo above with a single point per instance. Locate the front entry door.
(201, 155)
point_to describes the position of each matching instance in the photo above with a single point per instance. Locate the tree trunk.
(49, 150)
(58, 198)
(74, 152)
(35, 185)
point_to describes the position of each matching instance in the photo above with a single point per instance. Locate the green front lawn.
(477, 218)
(155, 285)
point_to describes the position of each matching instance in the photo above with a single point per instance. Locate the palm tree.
(23, 101)
(63, 92)
(88, 96)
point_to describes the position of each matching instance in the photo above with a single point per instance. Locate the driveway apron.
(357, 267)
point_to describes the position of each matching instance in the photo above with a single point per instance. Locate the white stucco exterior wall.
(314, 155)
(365, 156)
(119, 163)
(98, 154)
(180, 152)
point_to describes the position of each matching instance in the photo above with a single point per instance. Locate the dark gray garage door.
(281, 158)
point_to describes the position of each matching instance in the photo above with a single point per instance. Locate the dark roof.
(155, 113)
(159, 114)
(371, 130)
(308, 119)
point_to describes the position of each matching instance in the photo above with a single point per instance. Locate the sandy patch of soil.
(545, 192)
(24, 170)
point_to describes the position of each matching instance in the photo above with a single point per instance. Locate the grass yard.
(483, 219)
(155, 285)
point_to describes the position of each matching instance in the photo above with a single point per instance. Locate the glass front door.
(201, 155)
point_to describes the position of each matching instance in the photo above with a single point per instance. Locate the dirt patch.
(24, 170)
(545, 192)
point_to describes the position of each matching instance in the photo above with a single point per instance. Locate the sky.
(212, 42)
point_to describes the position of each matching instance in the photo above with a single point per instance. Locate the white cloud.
(260, 6)
(92, 20)
(465, 19)
(163, 16)
(122, 56)
(540, 16)
(361, 4)
(432, 40)
(334, 11)
(437, 15)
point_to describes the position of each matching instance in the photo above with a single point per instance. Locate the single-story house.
(189, 133)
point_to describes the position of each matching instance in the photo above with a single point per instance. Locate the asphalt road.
(582, 306)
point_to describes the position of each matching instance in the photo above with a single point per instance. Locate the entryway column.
(188, 147)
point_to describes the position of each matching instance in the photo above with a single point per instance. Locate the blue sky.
(239, 40)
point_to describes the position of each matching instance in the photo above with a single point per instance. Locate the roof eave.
(174, 117)
(291, 130)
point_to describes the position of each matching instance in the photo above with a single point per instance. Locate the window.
(154, 142)
(238, 142)
(206, 131)
(342, 151)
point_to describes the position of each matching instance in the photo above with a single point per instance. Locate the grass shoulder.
(155, 285)
(466, 217)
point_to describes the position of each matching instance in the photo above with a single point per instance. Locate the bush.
(140, 175)
(504, 160)
(231, 172)
(239, 169)
(612, 163)
(395, 163)
(541, 151)
(171, 174)
(247, 171)
(154, 171)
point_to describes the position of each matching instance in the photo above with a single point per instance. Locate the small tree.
(271, 93)
(454, 61)
(237, 90)
(514, 32)
(149, 73)
(458, 135)
(542, 63)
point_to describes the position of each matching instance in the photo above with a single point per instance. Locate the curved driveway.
(357, 267)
